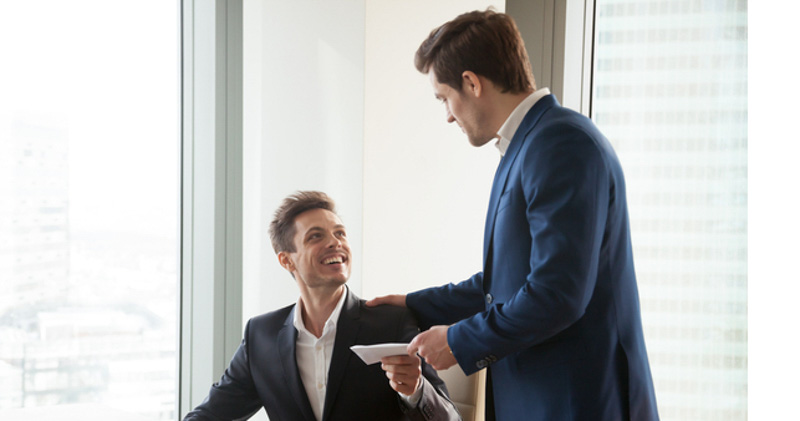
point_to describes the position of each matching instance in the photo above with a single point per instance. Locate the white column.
(558, 35)
(211, 252)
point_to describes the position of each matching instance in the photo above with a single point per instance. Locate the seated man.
(296, 362)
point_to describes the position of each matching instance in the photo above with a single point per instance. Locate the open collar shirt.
(314, 358)
(507, 130)
(314, 355)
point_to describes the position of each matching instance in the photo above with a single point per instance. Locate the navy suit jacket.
(264, 372)
(555, 312)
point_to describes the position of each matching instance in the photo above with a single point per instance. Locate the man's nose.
(334, 241)
(450, 117)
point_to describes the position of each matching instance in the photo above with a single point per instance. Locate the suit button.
(427, 411)
(481, 364)
(489, 298)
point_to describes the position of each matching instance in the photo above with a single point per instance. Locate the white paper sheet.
(372, 354)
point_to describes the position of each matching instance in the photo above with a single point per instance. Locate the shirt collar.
(513, 121)
(329, 324)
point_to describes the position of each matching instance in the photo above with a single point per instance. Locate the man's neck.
(504, 105)
(318, 304)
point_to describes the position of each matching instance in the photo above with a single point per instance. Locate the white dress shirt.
(314, 358)
(314, 355)
(513, 121)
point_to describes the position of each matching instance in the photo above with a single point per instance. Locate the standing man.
(555, 313)
(296, 362)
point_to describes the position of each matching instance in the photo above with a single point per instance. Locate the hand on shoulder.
(398, 300)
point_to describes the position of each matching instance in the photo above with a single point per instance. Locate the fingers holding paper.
(403, 372)
(432, 346)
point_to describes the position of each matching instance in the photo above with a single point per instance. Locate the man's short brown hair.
(282, 229)
(486, 43)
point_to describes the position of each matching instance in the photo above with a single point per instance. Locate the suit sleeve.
(566, 190)
(447, 304)
(435, 404)
(234, 397)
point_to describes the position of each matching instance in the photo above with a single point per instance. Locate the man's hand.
(403, 372)
(397, 300)
(432, 345)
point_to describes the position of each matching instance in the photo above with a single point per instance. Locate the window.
(89, 172)
(670, 92)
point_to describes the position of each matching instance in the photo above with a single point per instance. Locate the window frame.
(211, 194)
(559, 32)
(559, 38)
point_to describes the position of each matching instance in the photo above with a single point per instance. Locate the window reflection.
(88, 209)
(670, 92)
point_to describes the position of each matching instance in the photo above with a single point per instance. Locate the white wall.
(332, 101)
(425, 188)
(303, 127)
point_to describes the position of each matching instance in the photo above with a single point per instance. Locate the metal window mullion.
(211, 194)
(558, 35)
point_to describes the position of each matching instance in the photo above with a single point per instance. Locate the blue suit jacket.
(555, 312)
(264, 372)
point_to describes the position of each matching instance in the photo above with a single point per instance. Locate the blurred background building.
(670, 92)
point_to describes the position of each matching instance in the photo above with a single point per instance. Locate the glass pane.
(670, 91)
(89, 171)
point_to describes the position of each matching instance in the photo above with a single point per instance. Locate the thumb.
(413, 347)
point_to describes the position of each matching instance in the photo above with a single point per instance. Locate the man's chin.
(478, 142)
(341, 280)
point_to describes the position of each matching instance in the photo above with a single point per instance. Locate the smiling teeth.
(331, 260)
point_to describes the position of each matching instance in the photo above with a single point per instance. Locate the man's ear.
(286, 261)
(471, 83)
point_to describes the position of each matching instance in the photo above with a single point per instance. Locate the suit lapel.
(346, 333)
(503, 169)
(287, 348)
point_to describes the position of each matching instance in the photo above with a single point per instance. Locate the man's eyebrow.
(313, 229)
(317, 228)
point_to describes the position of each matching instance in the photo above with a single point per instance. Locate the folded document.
(372, 354)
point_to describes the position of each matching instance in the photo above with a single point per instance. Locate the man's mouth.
(334, 260)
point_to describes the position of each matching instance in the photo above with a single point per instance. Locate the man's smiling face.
(322, 256)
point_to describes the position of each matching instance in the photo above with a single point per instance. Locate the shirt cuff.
(412, 400)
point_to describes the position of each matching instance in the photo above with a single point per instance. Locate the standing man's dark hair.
(487, 43)
(282, 229)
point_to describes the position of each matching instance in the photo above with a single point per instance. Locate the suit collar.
(333, 319)
(501, 176)
(287, 348)
(514, 120)
(346, 334)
